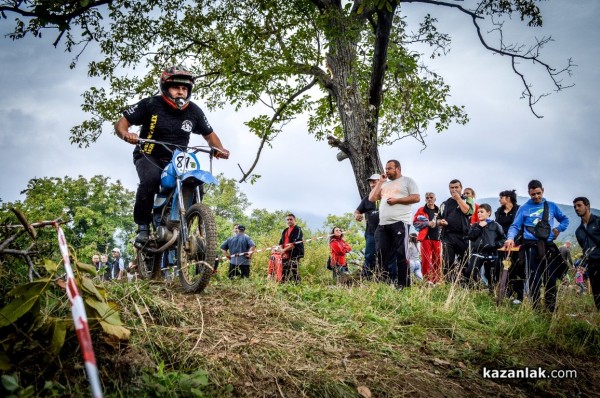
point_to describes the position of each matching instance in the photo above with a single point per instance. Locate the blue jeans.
(370, 256)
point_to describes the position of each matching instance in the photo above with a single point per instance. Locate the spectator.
(239, 249)
(371, 210)
(397, 193)
(470, 193)
(425, 222)
(413, 257)
(579, 279)
(505, 215)
(454, 218)
(292, 249)
(105, 267)
(565, 252)
(118, 265)
(96, 262)
(588, 237)
(543, 262)
(339, 248)
(486, 238)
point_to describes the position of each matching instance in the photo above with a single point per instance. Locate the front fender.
(201, 175)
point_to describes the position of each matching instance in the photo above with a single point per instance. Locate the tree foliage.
(350, 66)
(98, 210)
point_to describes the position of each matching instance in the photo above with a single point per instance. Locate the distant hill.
(568, 210)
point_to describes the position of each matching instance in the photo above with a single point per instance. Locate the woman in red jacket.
(339, 248)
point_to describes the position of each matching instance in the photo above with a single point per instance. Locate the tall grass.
(255, 337)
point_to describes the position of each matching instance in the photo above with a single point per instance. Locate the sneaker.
(516, 301)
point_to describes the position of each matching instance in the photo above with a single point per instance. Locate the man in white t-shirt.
(396, 194)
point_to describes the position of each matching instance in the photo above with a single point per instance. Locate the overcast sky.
(503, 146)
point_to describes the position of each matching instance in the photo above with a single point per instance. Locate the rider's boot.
(143, 234)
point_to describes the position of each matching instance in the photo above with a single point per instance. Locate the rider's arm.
(122, 131)
(214, 141)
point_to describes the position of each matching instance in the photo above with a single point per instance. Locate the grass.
(257, 338)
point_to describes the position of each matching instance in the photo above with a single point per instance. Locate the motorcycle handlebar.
(212, 151)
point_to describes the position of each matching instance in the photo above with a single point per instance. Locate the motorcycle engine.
(163, 234)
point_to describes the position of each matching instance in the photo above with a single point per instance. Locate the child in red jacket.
(339, 248)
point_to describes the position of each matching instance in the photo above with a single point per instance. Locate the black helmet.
(176, 76)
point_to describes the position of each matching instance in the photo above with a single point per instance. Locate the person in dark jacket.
(292, 249)
(369, 211)
(454, 217)
(486, 238)
(505, 215)
(588, 237)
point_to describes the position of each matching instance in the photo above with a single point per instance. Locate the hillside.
(255, 338)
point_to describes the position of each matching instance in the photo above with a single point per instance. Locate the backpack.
(329, 267)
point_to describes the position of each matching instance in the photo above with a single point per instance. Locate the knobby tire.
(195, 264)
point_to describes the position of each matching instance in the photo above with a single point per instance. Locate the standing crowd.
(459, 241)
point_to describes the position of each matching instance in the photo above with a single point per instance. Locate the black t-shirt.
(458, 222)
(506, 219)
(161, 122)
(370, 210)
(433, 233)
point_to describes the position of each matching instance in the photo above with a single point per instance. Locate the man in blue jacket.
(543, 261)
(588, 237)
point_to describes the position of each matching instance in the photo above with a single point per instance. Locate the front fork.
(182, 213)
(182, 222)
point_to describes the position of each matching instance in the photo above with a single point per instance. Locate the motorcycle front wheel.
(197, 255)
(148, 264)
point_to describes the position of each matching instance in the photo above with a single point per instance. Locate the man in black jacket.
(292, 249)
(455, 214)
(588, 236)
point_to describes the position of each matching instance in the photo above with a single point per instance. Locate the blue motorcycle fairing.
(201, 175)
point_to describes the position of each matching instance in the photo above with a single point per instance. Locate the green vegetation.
(254, 337)
(258, 338)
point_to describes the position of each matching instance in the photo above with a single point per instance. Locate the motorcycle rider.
(169, 117)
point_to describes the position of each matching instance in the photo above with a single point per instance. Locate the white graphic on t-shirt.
(186, 126)
(131, 109)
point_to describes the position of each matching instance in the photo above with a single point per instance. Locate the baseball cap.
(241, 228)
(374, 177)
(116, 249)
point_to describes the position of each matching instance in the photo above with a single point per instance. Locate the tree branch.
(274, 119)
(513, 53)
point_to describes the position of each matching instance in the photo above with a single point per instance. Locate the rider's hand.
(130, 137)
(222, 153)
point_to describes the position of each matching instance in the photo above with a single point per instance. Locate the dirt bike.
(183, 232)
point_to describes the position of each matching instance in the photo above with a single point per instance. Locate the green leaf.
(30, 289)
(10, 383)
(4, 361)
(58, 336)
(88, 286)
(120, 332)
(87, 268)
(51, 266)
(15, 310)
(105, 312)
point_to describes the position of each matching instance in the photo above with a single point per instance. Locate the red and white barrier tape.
(223, 258)
(80, 318)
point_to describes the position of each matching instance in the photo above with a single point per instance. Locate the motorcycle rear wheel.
(197, 256)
